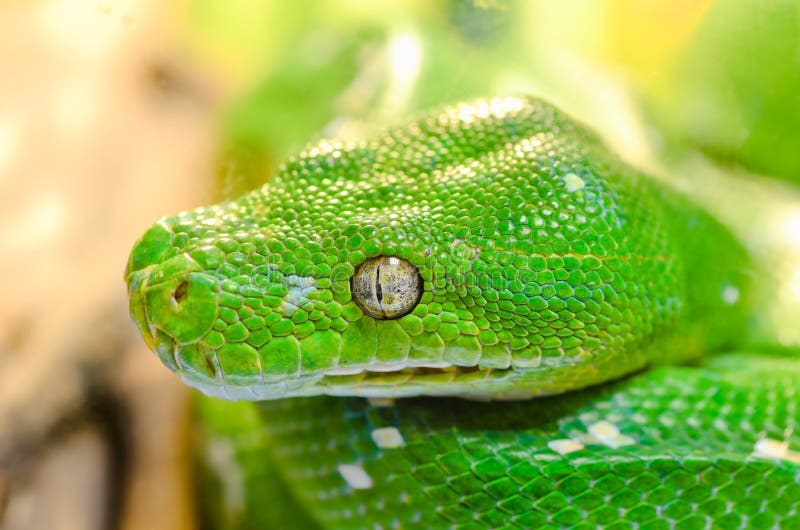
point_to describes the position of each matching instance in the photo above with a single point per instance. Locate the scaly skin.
(674, 447)
(546, 266)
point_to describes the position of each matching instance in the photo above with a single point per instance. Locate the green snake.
(493, 250)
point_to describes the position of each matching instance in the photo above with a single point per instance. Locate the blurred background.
(116, 112)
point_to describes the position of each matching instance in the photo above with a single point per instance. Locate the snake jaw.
(472, 382)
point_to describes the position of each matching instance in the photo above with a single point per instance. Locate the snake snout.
(172, 300)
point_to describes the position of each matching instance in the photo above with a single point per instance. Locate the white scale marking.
(574, 182)
(355, 476)
(730, 295)
(774, 449)
(299, 287)
(608, 434)
(564, 446)
(387, 438)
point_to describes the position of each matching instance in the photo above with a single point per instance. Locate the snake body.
(539, 265)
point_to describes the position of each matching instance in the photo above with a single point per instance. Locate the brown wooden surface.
(105, 125)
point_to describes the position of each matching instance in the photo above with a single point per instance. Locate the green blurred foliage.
(720, 76)
(339, 68)
(734, 91)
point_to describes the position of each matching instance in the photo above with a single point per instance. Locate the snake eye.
(386, 287)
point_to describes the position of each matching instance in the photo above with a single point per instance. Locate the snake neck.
(764, 215)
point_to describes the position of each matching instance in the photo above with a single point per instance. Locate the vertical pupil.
(378, 288)
(391, 295)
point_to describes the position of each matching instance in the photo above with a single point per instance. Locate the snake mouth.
(472, 382)
(376, 381)
(407, 380)
(199, 367)
(401, 382)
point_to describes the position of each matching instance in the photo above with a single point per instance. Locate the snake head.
(492, 248)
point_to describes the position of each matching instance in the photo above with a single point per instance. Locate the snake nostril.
(179, 295)
(178, 300)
